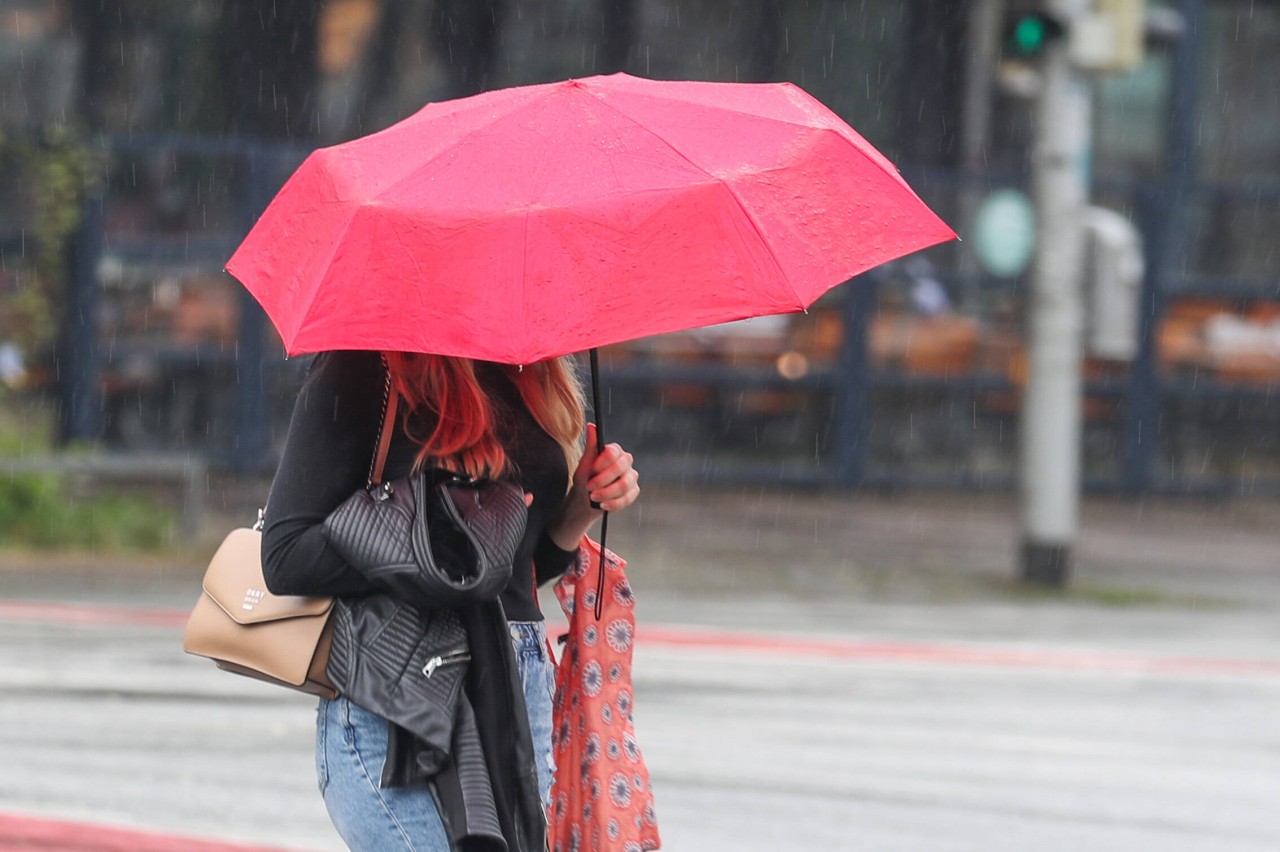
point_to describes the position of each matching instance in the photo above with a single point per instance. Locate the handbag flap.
(234, 582)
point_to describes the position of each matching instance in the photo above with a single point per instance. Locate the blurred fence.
(907, 377)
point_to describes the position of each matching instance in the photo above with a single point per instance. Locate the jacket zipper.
(444, 660)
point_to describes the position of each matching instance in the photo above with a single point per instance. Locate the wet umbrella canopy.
(532, 222)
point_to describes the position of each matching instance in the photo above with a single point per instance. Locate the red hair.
(464, 438)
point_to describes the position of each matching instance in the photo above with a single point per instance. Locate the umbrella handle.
(598, 411)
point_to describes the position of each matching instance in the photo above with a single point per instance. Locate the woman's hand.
(605, 477)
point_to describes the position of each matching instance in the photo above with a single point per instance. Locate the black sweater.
(330, 445)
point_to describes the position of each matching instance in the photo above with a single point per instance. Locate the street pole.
(1051, 413)
(983, 37)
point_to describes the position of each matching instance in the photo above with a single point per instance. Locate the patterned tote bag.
(601, 799)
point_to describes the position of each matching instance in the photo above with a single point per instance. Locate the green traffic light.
(1028, 35)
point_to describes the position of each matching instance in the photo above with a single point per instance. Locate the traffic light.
(1026, 33)
(1105, 36)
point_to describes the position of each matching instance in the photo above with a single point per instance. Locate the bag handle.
(390, 401)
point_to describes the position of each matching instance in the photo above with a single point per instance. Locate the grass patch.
(43, 511)
(26, 424)
(40, 511)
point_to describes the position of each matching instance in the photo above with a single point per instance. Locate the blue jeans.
(351, 745)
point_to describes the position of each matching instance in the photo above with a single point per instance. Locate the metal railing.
(257, 380)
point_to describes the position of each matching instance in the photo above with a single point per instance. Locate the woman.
(485, 420)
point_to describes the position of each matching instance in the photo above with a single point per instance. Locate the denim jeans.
(351, 745)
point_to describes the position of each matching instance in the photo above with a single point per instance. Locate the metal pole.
(1051, 414)
(1163, 211)
(251, 448)
(852, 387)
(1142, 403)
(983, 37)
(80, 360)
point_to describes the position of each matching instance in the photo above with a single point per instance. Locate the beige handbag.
(247, 630)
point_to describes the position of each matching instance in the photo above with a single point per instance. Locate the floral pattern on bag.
(601, 799)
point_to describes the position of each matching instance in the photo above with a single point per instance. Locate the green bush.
(50, 173)
(37, 510)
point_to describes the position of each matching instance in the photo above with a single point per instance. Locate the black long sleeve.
(331, 440)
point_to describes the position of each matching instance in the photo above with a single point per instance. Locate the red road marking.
(711, 639)
(65, 613)
(951, 654)
(26, 832)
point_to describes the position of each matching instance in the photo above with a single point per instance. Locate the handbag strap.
(390, 401)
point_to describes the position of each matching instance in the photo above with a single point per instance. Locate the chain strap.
(384, 434)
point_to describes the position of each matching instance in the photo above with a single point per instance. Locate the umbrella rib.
(538, 189)
(815, 123)
(524, 280)
(461, 141)
(886, 167)
(755, 226)
(755, 114)
(318, 281)
(873, 157)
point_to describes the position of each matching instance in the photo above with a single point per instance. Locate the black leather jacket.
(446, 679)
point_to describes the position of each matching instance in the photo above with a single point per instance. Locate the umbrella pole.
(595, 399)
(598, 410)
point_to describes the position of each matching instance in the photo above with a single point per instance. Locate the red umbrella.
(532, 222)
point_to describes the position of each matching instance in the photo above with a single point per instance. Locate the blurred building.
(911, 375)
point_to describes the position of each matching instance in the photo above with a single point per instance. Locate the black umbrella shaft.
(595, 399)
(598, 410)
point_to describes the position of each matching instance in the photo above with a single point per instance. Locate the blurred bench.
(188, 475)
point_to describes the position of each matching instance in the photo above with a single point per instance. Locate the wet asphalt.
(813, 671)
